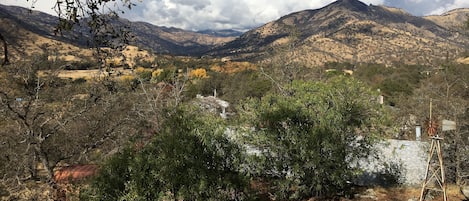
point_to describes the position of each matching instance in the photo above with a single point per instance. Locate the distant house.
(213, 104)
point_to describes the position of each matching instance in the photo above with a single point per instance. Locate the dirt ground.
(365, 194)
(406, 194)
(385, 194)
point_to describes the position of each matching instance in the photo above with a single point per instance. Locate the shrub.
(189, 159)
(310, 136)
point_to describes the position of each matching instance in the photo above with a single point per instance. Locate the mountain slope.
(30, 33)
(343, 31)
(172, 40)
(452, 19)
(223, 32)
(33, 21)
(146, 36)
(351, 31)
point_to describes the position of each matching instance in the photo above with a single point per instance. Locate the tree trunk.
(59, 193)
(45, 162)
(5, 50)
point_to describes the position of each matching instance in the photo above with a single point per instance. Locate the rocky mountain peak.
(353, 5)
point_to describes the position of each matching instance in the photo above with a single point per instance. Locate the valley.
(280, 112)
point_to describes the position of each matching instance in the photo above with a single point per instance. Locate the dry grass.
(75, 74)
(88, 74)
(463, 60)
(451, 19)
(41, 191)
(408, 193)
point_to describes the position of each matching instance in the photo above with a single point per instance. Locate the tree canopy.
(190, 159)
(310, 137)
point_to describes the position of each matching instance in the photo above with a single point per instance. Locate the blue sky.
(239, 14)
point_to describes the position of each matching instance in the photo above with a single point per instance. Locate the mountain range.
(17, 22)
(351, 31)
(343, 31)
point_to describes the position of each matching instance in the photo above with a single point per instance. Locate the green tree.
(246, 84)
(310, 137)
(231, 87)
(190, 158)
(396, 83)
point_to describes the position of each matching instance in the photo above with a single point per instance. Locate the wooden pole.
(442, 170)
(425, 181)
(430, 109)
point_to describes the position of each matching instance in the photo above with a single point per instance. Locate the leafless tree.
(447, 88)
(48, 122)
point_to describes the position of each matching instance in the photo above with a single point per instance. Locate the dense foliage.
(190, 158)
(395, 83)
(232, 87)
(310, 137)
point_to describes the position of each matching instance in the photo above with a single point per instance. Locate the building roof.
(74, 173)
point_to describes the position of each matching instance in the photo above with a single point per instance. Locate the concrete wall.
(404, 158)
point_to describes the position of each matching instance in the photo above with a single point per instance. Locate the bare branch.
(5, 50)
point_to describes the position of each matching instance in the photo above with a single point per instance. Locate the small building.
(213, 104)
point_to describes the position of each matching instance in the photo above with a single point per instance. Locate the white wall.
(409, 157)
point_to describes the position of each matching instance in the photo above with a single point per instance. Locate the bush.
(310, 137)
(189, 159)
(232, 87)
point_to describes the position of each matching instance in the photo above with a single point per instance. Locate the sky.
(240, 15)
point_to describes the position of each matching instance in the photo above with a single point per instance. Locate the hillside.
(24, 28)
(452, 19)
(343, 31)
(350, 31)
(31, 33)
(172, 40)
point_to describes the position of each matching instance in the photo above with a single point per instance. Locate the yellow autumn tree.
(198, 73)
(156, 73)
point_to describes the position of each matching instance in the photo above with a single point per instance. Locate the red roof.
(74, 173)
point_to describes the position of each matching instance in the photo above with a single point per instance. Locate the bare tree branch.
(5, 50)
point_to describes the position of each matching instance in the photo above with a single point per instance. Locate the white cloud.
(42, 5)
(218, 14)
(449, 5)
(428, 7)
